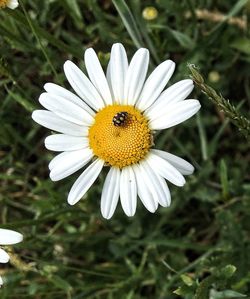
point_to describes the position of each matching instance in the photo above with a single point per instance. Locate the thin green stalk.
(203, 138)
(38, 39)
(224, 105)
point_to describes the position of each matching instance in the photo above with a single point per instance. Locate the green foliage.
(199, 247)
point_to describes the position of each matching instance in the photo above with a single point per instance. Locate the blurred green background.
(200, 246)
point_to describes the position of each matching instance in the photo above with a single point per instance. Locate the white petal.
(108, 75)
(85, 181)
(175, 93)
(4, 257)
(143, 190)
(128, 191)
(82, 86)
(55, 89)
(155, 84)
(165, 169)
(1, 281)
(118, 69)
(136, 75)
(97, 75)
(65, 109)
(63, 143)
(110, 193)
(174, 114)
(69, 163)
(12, 4)
(9, 237)
(180, 164)
(53, 122)
(158, 185)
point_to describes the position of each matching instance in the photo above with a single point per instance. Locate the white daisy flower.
(111, 121)
(9, 3)
(7, 237)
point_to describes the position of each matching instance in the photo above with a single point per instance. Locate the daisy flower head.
(7, 237)
(9, 3)
(111, 121)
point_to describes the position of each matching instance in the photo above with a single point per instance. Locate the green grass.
(72, 252)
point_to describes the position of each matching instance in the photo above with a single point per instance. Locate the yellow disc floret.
(120, 143)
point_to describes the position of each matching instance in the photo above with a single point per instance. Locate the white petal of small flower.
(1, 281)
(128, 191)
(165, 169)
(66, 109)
(180, 164)
(174, 114)
(9, 237)
(53, 122)
(175, 93)
(143, 190)
(97, 75)
(136, 75)
(118, 69)
(155, 84)
(110, 193)
(85, 181)
(4, 257)
(82, 86)
(12, 4)
(62, 142)
(69, 163)
(57, 90)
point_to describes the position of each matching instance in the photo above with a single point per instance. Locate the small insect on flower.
(111, 122)
(120, 119)
(9, 3)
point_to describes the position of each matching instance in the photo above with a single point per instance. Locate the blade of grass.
(203, 138)
(128, 21)
(44, 34)
(38, 39)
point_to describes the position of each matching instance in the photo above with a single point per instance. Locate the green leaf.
(60, 283)
(74, 10)
(225, 294)
(22, 101)
(183, 39)
(224, 179)
(187, 280)
(242, 44)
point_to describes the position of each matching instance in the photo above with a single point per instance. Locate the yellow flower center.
(120, 135)
(3, 3)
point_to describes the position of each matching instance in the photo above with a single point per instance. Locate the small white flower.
(112, 122)
(7, 237)
(9, 3)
